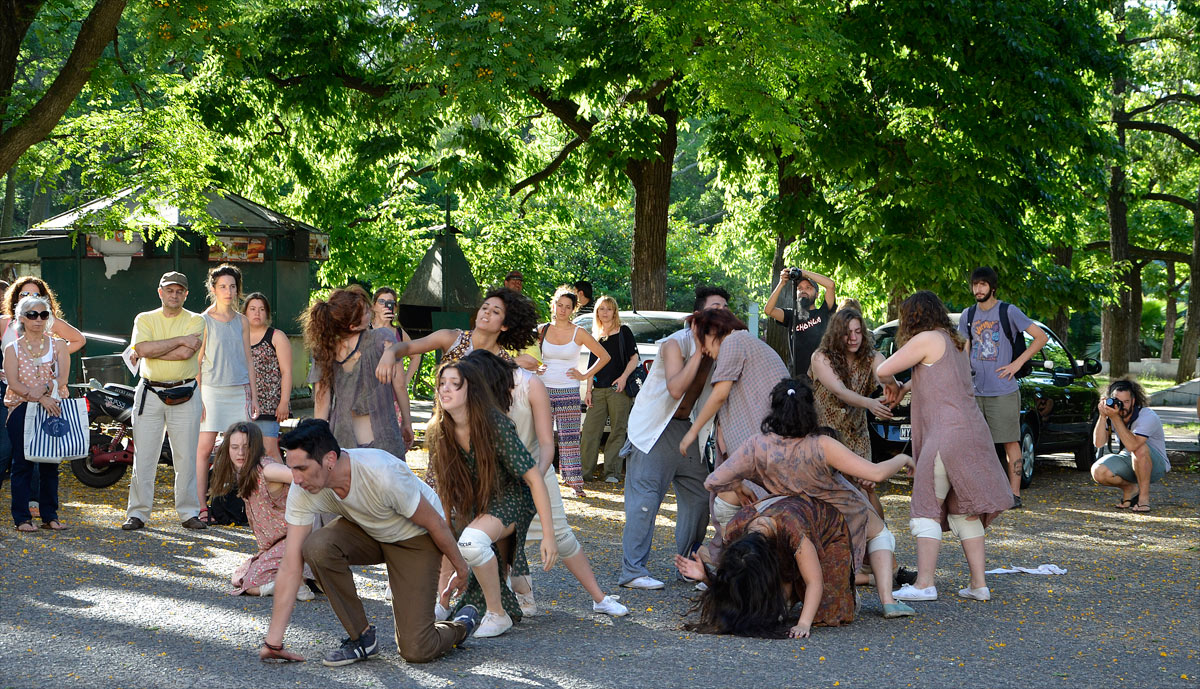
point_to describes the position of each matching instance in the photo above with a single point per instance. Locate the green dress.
(512, 504)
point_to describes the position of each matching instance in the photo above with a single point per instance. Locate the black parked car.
(1058, 406)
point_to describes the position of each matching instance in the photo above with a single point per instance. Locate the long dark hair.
(460, 494)
(924, 311)
(225, 475)
(520, 319)
(793, 411)
(745, 595)
(497, 374)
(833, 346)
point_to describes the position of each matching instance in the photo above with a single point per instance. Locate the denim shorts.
(269, 427)
(1121, 464)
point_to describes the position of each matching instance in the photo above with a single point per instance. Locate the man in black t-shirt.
(805, 324)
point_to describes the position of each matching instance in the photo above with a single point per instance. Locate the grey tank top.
(224, 353)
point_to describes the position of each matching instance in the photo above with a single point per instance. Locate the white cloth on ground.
(1040, 569)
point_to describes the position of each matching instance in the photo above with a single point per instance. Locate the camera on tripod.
(795, 274)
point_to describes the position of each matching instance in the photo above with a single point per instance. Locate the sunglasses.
(34, 315)
(387, 304)
(30, 294)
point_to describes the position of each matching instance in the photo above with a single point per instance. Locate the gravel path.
(98, 607)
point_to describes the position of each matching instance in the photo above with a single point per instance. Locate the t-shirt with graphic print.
(990, 349)
(806, 333)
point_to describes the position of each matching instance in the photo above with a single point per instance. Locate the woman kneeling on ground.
(779, 552)
(489, 485)
(262, 482)
(795, 456)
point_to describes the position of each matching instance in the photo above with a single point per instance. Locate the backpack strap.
(1004, 323)
(970, 322)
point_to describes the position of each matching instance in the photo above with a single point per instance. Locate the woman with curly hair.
(505, 323)
(782, 551)
(262, 481)
(490, 487)
(795, 455)
(958, 486)
(360, 410)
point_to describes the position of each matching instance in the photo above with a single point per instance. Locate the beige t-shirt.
(384, 494)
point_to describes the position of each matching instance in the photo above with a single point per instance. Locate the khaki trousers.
(613, 406)
(412, 566)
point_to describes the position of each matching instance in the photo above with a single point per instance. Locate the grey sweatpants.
(648, 475)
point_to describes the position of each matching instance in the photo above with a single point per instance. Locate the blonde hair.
(597, 327)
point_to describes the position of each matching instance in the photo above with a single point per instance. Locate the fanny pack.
(176, 394)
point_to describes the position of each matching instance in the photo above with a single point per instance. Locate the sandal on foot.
(26, 527)
(1140, 508)
(1126, 503)
(53, 525)
(204, 517)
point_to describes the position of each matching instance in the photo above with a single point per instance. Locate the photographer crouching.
(1142, 459)
(805, 324)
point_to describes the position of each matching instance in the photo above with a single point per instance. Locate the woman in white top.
(523, 398)
(228, 388)
(560, 341)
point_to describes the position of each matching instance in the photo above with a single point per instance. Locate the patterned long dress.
(265, 514)
(512, 504)
(849, 421)
(787, 521)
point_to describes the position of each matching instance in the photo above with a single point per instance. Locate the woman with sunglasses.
(36, 366)
(28, 286)
(383, 315)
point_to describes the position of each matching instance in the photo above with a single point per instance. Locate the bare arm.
(321, 401)
(770, 308)
(440, 339)
(679, 374)
(840, 457)
(155, 349)
(601, 354)
(735, 469)
(275, 472)
(924, 348)
(69, 333)
(720, 393)
(414, 360)
(287, 583)
(1100, 432)
(541, 500)
(824, 372)
(283, 352)
(254, 410)
(400, 391)
(543, 423)
(1040, 338)
(814, 588)
(1129, 440)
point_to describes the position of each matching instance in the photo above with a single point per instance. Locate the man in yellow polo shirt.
(166, 341)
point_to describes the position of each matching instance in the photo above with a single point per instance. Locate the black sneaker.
(352, 651)
(905, 575)
(1017, 502)
(468, 615)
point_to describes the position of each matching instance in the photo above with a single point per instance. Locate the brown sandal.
(53, 525)
(22, 527)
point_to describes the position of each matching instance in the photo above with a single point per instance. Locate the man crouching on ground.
(387, 515)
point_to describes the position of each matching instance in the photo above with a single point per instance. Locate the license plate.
(906, 432)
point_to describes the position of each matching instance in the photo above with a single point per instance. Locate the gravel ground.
(98, 607)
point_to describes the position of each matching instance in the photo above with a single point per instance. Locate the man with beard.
(805, 324)
(994, 330)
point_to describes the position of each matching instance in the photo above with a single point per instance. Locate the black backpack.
(1018, 342)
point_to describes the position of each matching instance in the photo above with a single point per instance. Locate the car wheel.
(1085, 453)
(1028, 455)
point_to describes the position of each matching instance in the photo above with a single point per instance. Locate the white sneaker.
(981, 593)
(528, 604)
(493, 624)
(610, 606)
(910, 592)
(267, 589)
(645, 583)
(701, 587)
(612, 479)
(387, 592)
(304, 593)
(440, 612)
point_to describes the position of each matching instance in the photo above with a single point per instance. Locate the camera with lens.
(1114, 403)
(795, 274)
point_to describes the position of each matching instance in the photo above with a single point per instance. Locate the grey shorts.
(1003, 415)
(1121, 464)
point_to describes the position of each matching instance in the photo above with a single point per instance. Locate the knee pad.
(923, 527)
(475, 547)
(884, 540)
(964, 528)
(568, 545)
(723, 511)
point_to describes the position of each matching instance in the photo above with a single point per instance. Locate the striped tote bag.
(54, 439)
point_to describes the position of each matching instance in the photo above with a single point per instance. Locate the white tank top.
(558, 360)
(521, 413)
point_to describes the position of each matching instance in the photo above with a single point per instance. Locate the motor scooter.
(110, 416)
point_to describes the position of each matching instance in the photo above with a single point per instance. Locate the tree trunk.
(1061, 322)
(777, 335)
(790, 186)
(9, 213)
(18, 134)
(1135, 311)
(1191, 331)
(652, 200)
(1105, 334)
(1168, 343)
(1118, 227)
